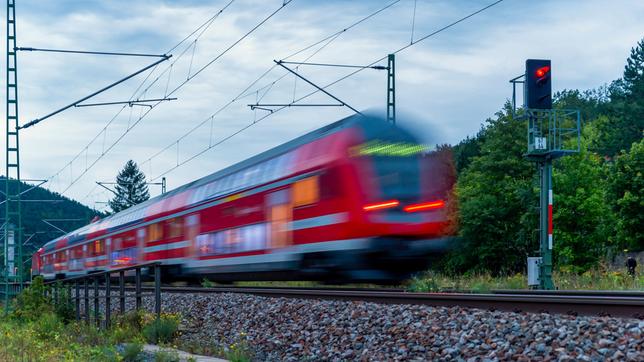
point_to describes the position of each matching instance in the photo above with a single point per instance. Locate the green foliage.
(582, 217)
(31, 303)
(626, 195)
(161, 330)
(63, 306)
(132, 352)
(495, 193)
(48, 339)
(207, 283)
(593, 279)
(131, 188)
(239, 352)
(166, 356)
(624, 124)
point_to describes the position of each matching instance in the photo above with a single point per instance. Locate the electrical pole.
(391, 88)
(12, 244)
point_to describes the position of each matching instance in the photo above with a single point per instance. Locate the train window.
(155, 232)
(175, 227)
(306, 191)
(97, 247)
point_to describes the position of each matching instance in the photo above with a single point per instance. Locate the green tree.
(625, 122)
(131, 188)
(496, 195)
(582, 219)
(626, 194)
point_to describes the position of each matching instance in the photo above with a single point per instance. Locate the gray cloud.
(452, 82)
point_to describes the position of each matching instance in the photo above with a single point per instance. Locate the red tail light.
(425, 206)
(381, 205)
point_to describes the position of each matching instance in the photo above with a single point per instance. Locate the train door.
(140, 244)
(191, 232)
(280, 215)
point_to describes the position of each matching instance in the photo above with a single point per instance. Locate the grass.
(238, 351)
(484, 283)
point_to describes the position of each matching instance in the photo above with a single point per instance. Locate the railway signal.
(550, 132)
(538, 84)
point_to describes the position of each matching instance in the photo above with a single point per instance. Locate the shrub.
(31, 303)
(65, 307)
(48, 326)
(207, 283)
(132, 352)
(161, 330)
(166, 356)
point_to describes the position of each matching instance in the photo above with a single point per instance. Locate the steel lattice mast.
(12, 245)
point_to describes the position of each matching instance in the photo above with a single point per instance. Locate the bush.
(132, 352)
(31, 303)
(48, 326)
(161, 330)
(65, 307)
(166, 356)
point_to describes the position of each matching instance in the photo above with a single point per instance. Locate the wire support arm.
(30, 49)
(376, 67)
(38, 120)
(279, 62)
(129, 103)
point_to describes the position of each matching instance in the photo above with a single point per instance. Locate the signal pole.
(548, 129)
(12, 241)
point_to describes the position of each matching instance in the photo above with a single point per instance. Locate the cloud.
(452, 81)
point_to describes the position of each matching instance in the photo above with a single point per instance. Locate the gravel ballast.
(284, 329)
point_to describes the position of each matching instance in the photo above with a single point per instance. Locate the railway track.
(609, 303)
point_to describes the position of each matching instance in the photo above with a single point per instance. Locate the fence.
(105, 278)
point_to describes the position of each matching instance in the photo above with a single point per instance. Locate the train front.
(400, 201)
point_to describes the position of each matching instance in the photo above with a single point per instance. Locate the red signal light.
(425, 206)
(542, 71)
(381, 205)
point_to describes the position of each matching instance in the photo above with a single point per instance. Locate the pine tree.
(131, 188)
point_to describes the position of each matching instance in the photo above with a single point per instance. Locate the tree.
(625, 122)
(496, 194)
(626, 194)
(131, 188)
(583, 221)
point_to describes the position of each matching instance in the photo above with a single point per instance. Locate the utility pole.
(12, 245)
(391, 88)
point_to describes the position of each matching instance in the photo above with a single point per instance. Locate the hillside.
(36, 214)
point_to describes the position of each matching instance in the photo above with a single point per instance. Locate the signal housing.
(538, 84)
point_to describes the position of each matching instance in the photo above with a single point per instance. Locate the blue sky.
(447, 85)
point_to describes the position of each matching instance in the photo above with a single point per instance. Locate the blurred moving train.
(357, 200)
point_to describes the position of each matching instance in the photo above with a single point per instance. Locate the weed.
(207, 283)
(132, 352)
(161, 330)
(166, 356)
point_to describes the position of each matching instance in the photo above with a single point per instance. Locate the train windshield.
(395, 160)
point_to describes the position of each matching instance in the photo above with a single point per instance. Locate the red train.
(358, 199)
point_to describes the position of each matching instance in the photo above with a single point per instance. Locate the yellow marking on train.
(233, 197)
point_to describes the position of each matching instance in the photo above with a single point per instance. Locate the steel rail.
(611, 303)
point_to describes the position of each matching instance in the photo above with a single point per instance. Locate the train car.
(357, 200)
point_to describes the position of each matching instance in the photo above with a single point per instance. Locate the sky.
(446, 85)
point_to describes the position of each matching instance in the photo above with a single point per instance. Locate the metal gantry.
(12, 271)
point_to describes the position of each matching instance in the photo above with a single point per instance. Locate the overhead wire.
(326, 41)
(110, 147)
(242, 129)
(201, 29)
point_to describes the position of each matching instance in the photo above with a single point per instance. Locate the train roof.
(348, 122)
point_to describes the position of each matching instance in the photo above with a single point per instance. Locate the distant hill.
(36, 215)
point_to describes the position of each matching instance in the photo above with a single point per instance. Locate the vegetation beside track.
(483, 283)
(38, 330)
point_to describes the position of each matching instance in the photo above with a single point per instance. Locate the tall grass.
(484, 283)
